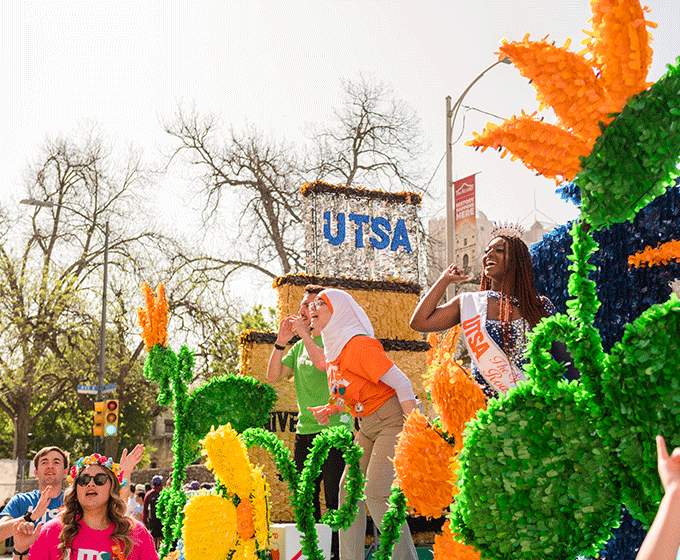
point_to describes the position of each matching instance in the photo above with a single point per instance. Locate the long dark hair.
(115, 511)
(518, 282)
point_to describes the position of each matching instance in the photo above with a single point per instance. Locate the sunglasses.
(99, 479)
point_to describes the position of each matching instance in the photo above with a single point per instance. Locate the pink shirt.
(90, 544)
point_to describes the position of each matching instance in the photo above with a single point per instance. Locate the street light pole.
(102, 330)
(451, 114)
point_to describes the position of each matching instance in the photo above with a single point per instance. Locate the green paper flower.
(635, 160)
(641, 385)
(535, 478)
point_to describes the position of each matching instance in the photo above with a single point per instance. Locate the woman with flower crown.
(495, 320)
(92, 525)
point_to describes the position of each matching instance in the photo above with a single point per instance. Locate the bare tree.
(259, 182)
(50, 285)
(376, 140)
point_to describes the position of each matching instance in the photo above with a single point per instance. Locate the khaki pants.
(377, 436)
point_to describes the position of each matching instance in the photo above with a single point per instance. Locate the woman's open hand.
(25, 534)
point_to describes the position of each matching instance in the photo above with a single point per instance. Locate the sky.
(278, 65)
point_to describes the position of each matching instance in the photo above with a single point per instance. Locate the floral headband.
(97, 459)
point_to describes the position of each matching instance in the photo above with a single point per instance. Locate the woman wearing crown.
(92, 525)
(495, 320)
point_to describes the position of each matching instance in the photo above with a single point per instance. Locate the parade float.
(541, 472)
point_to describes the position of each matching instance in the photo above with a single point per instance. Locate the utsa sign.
(366, 235)
(384, 236)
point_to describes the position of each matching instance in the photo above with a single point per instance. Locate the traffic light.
(98, 420)
(112, 411)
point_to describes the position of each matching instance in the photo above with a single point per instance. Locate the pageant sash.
(491, 361)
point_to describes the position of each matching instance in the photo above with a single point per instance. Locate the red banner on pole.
(464, 191)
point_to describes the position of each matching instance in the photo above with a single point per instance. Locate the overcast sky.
(277, 65)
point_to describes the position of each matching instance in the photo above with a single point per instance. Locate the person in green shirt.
(311, 390)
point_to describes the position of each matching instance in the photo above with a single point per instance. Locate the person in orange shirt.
(365, 383)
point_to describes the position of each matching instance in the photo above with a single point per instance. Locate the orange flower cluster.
(455, 396)
(564, 81)
(154, 319)
(425, 466)
(442, 346)
(619, 44)
(246, 520)
(546, 149)
(447, 547)
(582, 92)
(662, 254)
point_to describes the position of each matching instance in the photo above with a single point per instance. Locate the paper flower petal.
(209, 515)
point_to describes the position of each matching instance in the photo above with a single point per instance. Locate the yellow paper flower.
(209, 528)
(425, 466)
(662, 254)
(228, 459)
(582, 92)
(154, 319)
(207, 514)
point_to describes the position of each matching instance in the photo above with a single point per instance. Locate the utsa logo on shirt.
(304, 360)
(88, 554)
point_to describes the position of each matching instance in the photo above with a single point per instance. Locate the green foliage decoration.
(173, 373)
(535, 478)
(220, 401)
(635, 159)
(545, 467)
(394, 518)
(641, 386)
(301, 485)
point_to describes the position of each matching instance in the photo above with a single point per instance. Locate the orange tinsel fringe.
(564, 81)
(582, 92)
(619, 45)
(455, 396)
(662, 254)
(154, 319)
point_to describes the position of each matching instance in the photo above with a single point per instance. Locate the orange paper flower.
(154, 319)
(662, 254)
(456, 397)
(446, 547)
(425, 465)
(582, 92)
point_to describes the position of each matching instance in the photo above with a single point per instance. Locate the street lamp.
(102, 330)
(451, 114)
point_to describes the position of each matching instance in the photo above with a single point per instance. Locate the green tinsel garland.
(170, 509)
(575, 329)
(394, 518)
(535, 480)
(635, 159)
(302, 486)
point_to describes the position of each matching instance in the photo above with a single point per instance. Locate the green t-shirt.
(311, 389)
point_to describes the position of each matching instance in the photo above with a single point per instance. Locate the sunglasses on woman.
(99, 479)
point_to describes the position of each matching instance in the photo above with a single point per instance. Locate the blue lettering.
(359, 220)
(384, 240)
(340, 237)
(400, 237)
